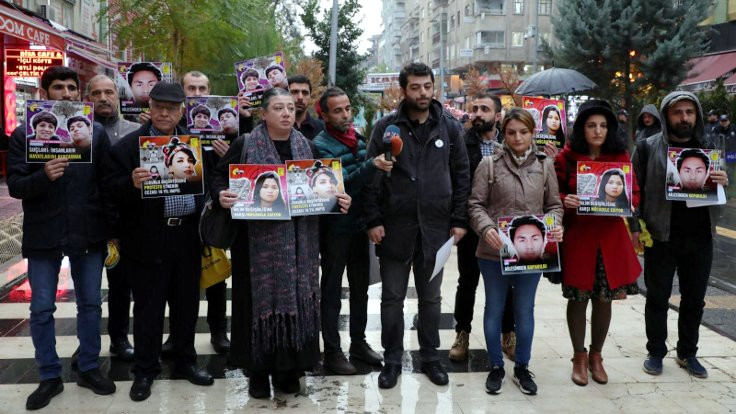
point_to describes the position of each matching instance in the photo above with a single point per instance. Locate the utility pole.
(442, 59)
(535, 33)
(333, 44)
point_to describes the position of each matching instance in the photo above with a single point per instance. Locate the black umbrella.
(555, 81)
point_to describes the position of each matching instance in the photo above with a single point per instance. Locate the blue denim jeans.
(43, 276)
(525, 289)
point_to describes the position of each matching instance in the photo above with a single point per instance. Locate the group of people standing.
(446, 182)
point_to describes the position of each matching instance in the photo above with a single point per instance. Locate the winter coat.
(651, 172)
(64, 216)
(529, 189)
(357, 171)
(585, 235)
(643, 131)
(141, 225)
(428, 188)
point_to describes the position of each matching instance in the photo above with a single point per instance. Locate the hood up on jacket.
(651, 110)
(674, 97)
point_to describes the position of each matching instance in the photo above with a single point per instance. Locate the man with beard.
(412, 213)
(481, 140)
(683, 237)
(343, 242)
(301, 90)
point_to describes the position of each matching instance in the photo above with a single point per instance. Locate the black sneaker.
(495, 380)
(523, 378)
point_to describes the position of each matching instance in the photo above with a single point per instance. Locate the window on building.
(468, 12)
(467, 42)
(517, 39)
(545, 7)
(518, 6)
(493, 38)
(491, 6)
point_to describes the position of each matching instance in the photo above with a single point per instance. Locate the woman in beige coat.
(519, 181)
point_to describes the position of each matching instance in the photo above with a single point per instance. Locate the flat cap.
(167, 92)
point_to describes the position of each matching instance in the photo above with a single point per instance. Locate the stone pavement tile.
(494, 405)
(74, 399)
(725, 365)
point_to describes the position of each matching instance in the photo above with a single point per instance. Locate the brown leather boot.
(596, 367)
(580, 368)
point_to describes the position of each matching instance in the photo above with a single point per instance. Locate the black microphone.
(391, 131)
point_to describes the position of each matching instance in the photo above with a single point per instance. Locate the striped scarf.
(284, 265)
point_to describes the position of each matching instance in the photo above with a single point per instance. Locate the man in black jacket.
(411, 214)
(481, 140)
(63, 216)
(161, 240)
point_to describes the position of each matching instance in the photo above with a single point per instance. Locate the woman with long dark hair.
(267, 192)
(598, 259)
(612, 188)
(552, 124)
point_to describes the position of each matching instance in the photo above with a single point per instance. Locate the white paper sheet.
(442, 255)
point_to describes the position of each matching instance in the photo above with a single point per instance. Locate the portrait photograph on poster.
(135, 80)
(175, 162)
(528, 246)
(213, 118)
(256, 76)
(549, 116)
(59, 129)
(313, 186)
(261, 192)
(604, 188)
(688, 174)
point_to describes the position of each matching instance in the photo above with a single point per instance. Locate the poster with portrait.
(549, 116)
(256, 76)
(59, 129)
(313, 186)
(604, 188)
(135, 80)
(213, 117)
(528, 246)
(175, 163)
(261, 190)
(688, 174)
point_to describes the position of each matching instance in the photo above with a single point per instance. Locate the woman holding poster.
(275, 316)
(598, 259)
(522, 183)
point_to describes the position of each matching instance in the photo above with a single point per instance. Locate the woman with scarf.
(518, 181)
(598, 259)
(275, 322)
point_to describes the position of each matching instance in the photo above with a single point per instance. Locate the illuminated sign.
(24, 63)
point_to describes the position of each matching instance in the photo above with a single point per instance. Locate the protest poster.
(688, 174)
(212, 118)
(135, 80)
(261, 190)
(604, 188)
(59, 129)
(256, 76)
(549, 117)
(528, 247)
(313, 186)
(175, 162)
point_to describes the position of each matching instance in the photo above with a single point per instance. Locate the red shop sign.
(28, 30)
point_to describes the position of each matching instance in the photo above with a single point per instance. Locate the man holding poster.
(161, 240)
(683, 237)
(63, 216)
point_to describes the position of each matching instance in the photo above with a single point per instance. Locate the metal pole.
(442, 63)
(536, 35)
(333, 44)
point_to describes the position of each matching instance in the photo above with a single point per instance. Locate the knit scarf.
(284, 265)
(348, 138)
(519, 159)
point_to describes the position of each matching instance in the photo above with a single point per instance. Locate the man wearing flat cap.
(161, 239)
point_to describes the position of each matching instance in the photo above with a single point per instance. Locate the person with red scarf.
(343, 243)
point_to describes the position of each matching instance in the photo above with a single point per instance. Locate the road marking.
(726, 232)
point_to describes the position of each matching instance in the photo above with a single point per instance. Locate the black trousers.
(176, 278)
(216, 307)
(339, 251)
(692, 258)
(467, 285)
(118, 301)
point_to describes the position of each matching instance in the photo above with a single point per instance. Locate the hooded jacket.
(643, 131)
(654, 208)
(427, 192)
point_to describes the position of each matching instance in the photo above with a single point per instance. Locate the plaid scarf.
(284, 264)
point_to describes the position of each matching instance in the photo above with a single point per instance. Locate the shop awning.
(730, 81)
(710, 68)
(22, 26)
(73, 50)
